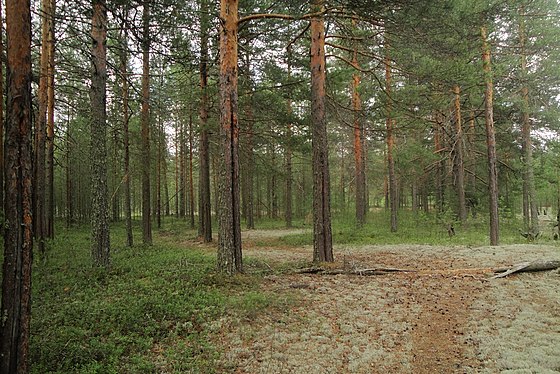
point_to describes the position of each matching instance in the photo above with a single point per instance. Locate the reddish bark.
(322, 231)
(229, 239)
(359, 164)
(18, 234)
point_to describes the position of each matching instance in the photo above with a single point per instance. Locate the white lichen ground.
(426, 322)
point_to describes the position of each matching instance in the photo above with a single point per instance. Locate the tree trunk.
(159, 161)
(182, 172)
(146, 199)
(68, 172)
(249, 170)
(191, 179)
(359, 167)
(390, 124)
(49, 171)
(530, 216)
(126, 134)
(490, 140)
(39, 216)
(99, 194)
(458, 156)
(288, 150)
(440, 165)
(1, 119)
(322, 231)
(204, 201)
(18, 206)
(229, 240)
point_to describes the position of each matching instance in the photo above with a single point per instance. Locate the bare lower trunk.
(490, 141)
(146, 199)
(204, 201)
(288, 152)
(530, 216)
(322, 231)
(229, 239)
(98, 148)
(390, 138)
(191, 179)
(49, 164)
(458, 157)
(359, 167)
(126, 138)
(18, 234)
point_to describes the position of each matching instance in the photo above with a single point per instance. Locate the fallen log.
(528, 266)
(363, 272)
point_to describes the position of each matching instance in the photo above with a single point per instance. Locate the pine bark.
(229, 239)
(1, 118)
(18, 207)
(49, 162)
(390, 139)
(458, 156)
(126, 136)
(204, 199)
(39, 216)
(68, 172)
(530, 216)
(100, 245)
(145, 119)
(322, 231)
(490, 140)
(191, 177)
(288, 150)
(440, 165)
(159, 162)
(249, 169)
(358, 130)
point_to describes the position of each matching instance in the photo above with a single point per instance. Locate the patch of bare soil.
(444, 318)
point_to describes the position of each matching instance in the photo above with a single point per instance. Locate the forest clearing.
(435, 321)
(166, 310)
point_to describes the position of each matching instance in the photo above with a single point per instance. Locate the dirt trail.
(421, 322)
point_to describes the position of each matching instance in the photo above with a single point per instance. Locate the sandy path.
(422, 322)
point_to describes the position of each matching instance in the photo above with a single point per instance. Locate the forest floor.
(447, 317)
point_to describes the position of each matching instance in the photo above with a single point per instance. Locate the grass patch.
(149, 313)
(414, 228)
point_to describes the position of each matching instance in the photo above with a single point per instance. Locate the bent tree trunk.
(322, 232)
(229, 217)
(490, 140)
(18, 234)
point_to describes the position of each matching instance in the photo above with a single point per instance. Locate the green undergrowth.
(416, 228)
(149, 313)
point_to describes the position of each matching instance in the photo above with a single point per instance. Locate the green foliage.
(148, 313)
